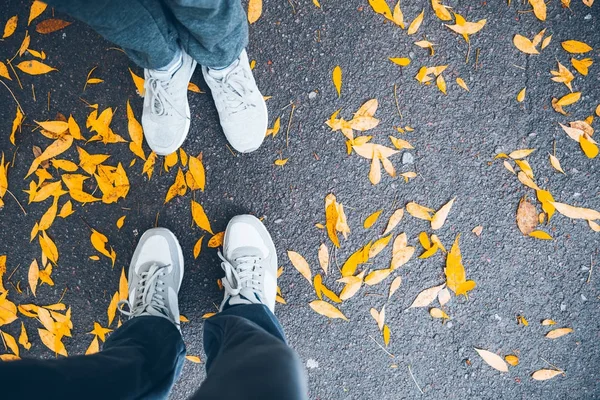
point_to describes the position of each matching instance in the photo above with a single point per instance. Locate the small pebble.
(312, 95)
(583, 297)
(407, 158)
(497, 317)
(278, 221)
(588, 17)
(563, 307)
(449, 324)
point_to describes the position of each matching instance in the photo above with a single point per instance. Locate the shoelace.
(148, 297)
(161, 102)
(245, 275)
(236, 92)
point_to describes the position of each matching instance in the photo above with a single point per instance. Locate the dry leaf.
(394, 286)
(23, 338)
(37, 8)
(493, 360)
(216, 240)
(543, 374)
(582, 66)
(526, 217)
(569, 99)
(416, 24)
(94, 347)
(403, 62)
(521, 95)
(437, 313)
(425, 298)
(540, 235)
(398, 17)
(51, 25)
(556, 163)
(524, 44)
(381, 7)
(386, 335)
(539, 9)
(379, 317)
(300, 264)
(371, 219)
(576, 47)
(34, 67)
(200, 217)
(512, 360)
(443, 296)
(324, 257)
(360, 256)
(556, 333)
(120, 222)
(576, 212)
(33, 275)
(394, 220)
(194, 359)
(10, 27)
(548, 322)
(440, 10)
(377, 276)
(546, 41)
(326, 309)
(254, 10)
(419, 211)
(440, 216)
(336, 76)
(462, 84)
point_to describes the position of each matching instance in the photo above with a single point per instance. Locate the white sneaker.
(166, 115)
(249, 262)
(242, 109)
(155, 276)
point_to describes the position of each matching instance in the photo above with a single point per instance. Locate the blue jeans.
(247, 358)
(213, 32)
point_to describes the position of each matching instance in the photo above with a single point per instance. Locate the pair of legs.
(168, 38)
(247, 357)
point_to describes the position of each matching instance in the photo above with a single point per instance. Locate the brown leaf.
(51, 25)
(526, 217)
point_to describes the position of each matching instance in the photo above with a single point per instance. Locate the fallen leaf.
(200, 217)
(443, 296)
(255, 8)
(326, 309)
(23, 338)
(138, 82)
(493, 360)
(402, 61)
(51, 25)
(324, 257)
(394, 286)
(440, 216)
(394, 220)
(539, 9)
(416, 24)
(425, 298)
(419, 211)
(512, 360)
(34, 67)
(543, 374)
(525, 45)
(540, 235)
(440, 10)
(556, 333)
(575, 47)
(377, 276)
(521, 95)
(386, 335)
(52, 342)
(398, 17)
(37, 8)
(194, 359)
(301, 265)
(10, 26)
(437, 313)
(462, 84)
(179, 187)
(371, 219)
(582, 66)
(10, 342)
(381, 7)
(379, 317)
(569, 99)
(526, 217)
(576, 212)
(216, 240)
(546, 41)
(556, 163)
(336, 76)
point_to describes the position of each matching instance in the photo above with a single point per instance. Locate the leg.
(247, 354)
(245, 347)
(140, 27)
(141, 359)
(213, 32)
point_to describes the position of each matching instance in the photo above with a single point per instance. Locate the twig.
(293, 8)
(382, 348)
(287, 134)
(549, 363)
(591, 269)
(13, 196)
(413, 378)
(13, 96)
(62, 295)
(230, 150)
(48, 101)
(156, 222)
(33, 92)
(12, 273)
(518, 66)
(477, 58)
(468, 53)
(396, 98)
(15, 72)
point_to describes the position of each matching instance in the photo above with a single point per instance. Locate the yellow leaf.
(379, 245)
(521, 95)
(336, 76)
(379, 317)
(381, 7)
(443, 296)
(318, 285)
(540, 235)
(136, 133)
(419, 211)
(208, 315)
(34, 67)
(594, 226)
(200, 217)
(543, 374)
(99, 242)
(424, 240)
(556, 333)
(375, 277)
(48, 247)
(94, 258)
(281, 162)
(16, 124)
(556, 163)
(198, 247)
(582, 66)
(120, 222)
(590, 149)
(194, 359)
(9, 29)
(94, 347)
(403, 62)
(394, 286)
(37, 8)
(324, 257)
(316, 3)
(254, 10)
(462, 84)
(52, 342)
(430, 252)
(576, 47)
(300, 264)
(466, 28)
(216, 240)
(400, 144)
(360, 256)
(539, 9)
(441, 84)
(192, 87)
(196, 169)
(49, 216)
(437, 313)
(416, 24)
(24, 44)
(512, 360)
(455, 271)
(425, 298)
(59, 146)
(394, 220)
(10, 342)
(440, 216)
(398, 17)
(522, 153)
(525, 45)
(112, 308)
(353, 285)
(386, 335)
(371, 219)
(23, 338)
(123, 286)
(576, 212)
(138, 82)
(546, 198)
(326, 309)
(569, 99)
(179, 187)
(493, 360)
(548, 322)
(440, 10)
(170, 160)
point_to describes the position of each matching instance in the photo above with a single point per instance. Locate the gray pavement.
(296, 46)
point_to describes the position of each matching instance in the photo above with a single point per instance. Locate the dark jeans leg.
(213, 32)
(249, 359)
(140, 360)
(143, 28)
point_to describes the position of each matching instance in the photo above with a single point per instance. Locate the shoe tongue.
(220, 73)
(244, 252)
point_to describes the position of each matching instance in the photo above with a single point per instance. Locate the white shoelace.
(149, 296)
(246, 275)
(236, 93)
(160, 100)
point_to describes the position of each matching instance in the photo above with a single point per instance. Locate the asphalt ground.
(455, 138)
